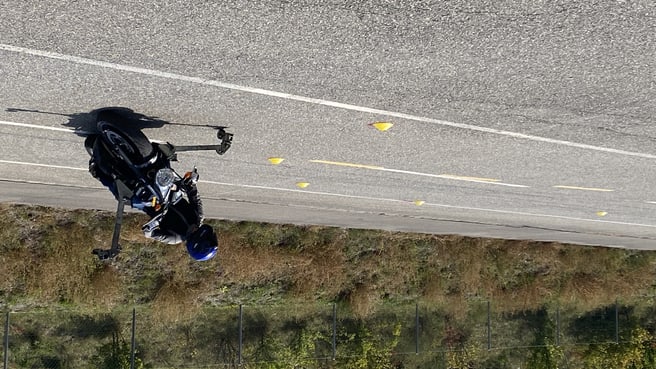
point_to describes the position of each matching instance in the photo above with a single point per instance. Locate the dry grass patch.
(363, 300)
(524, 275)
(64, 269)
(320, 274)
(254, 264)
(14, 268)
(175, 301)
(310, 269)
(107, 288)
(47, 256)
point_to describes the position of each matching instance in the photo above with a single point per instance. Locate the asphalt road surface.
(511, 119)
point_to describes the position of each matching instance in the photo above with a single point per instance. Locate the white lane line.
(26, 125)
(14, 180)
(304, 191)
(41, 165)
(509, 212)
(269, 188)
(540, 215)
(310, 100)
(584, 188)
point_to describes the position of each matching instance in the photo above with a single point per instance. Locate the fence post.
(334, 331)
(416, 328)
(133, 340)
(241, 328)
(617, 323)
(489, 328)
(6, 345)
(558, 325)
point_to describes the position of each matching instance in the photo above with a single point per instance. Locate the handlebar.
(225, 141)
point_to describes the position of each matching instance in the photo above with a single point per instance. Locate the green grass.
(46, 258)
(293, 274)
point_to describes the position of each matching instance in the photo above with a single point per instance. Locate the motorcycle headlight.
(164, 177)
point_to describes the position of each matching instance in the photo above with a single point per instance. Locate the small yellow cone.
(276, 161)
(382, 126)
(601, 213)
(419, 202)
(302, 184)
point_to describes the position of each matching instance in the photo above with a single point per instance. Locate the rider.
(183, 220)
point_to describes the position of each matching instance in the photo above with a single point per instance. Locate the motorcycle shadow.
(127, 119)
(85, 124)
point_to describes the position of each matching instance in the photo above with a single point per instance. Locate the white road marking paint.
(441, 176)
(584, 188)
(373, 167)
(269, 188)
(453, 177)
(541, 215)
(51, 184)
(26, 125)
(41, 165)
(304, 191)
(509, 212)
(310, 100)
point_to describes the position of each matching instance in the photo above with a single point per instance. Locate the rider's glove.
(190, 178)
(189, 183)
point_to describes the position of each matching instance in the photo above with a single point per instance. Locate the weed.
(46, 258)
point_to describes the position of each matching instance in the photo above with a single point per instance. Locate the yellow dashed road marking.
(442, 176)
(352, 165)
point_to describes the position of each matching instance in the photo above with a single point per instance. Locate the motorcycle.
(140, 170)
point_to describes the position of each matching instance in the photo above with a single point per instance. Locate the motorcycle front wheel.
(135, 145)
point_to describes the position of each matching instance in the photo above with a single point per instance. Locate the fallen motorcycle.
(140, 170)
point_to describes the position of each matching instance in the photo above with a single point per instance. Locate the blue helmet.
(202, 244)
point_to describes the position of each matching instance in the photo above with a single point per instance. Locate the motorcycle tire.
(134, 144)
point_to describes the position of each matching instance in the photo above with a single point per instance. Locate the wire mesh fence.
(318, 336)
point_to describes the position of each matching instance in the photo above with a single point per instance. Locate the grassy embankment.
(45, 262)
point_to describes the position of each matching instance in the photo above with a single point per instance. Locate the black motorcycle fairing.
(121, 156)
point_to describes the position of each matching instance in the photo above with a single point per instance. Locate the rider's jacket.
(176, 223)
(179, 220)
